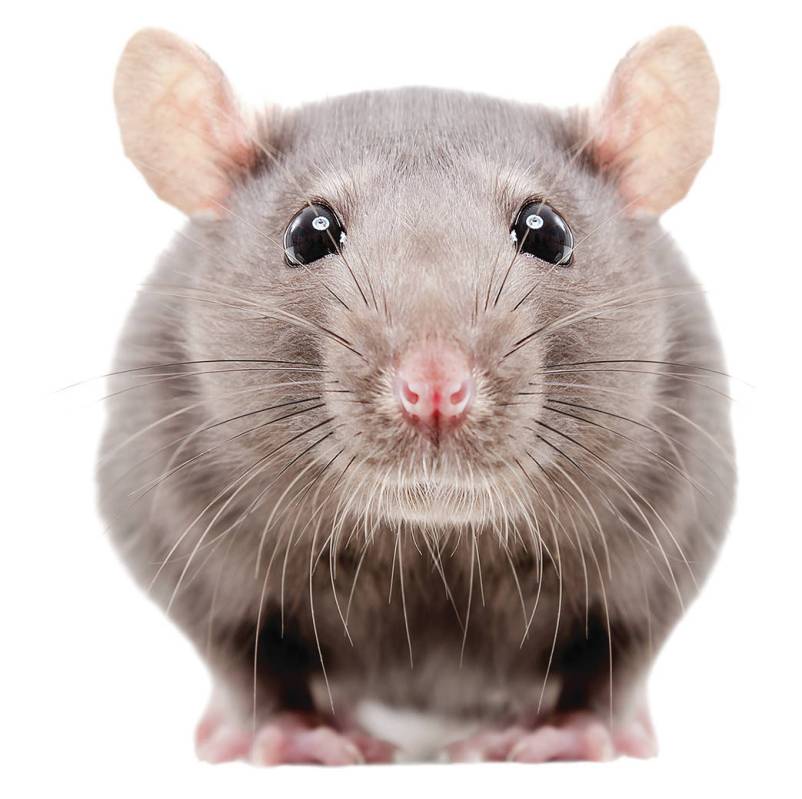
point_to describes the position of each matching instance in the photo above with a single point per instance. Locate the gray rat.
(420, 430)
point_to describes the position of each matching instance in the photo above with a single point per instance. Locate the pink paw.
(578, 736)
(286, 738)
(219, 741)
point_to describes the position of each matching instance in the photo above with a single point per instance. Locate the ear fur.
(180, 122)
(654, 129)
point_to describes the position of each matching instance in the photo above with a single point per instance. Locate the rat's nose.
(434, 385)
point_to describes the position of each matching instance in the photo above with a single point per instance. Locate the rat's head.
(435, 262)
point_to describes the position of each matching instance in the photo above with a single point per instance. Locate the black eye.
(540, 231)
(313, 233)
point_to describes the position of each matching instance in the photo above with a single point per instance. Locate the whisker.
(203, 428)
(144, 489)
(588, 313)
(697, 486)
(619, 479)
(179, 375)
(260, 462)
(175, 364)
(233, 496)
(667, 408)
(672, 375)
(404, 596)
(643, 361)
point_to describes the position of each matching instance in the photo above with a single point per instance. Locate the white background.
(100, 693)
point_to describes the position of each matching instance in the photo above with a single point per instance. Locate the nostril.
(409, 395)
(459, 398)
(461, 394)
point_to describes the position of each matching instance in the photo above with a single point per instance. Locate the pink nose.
(434, 385)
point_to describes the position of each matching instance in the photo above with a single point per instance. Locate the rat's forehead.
(424, 143)
(432, 125)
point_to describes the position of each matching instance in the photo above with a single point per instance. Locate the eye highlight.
(540, 231)
(313, 233)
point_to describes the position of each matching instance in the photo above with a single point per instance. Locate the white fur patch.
(418, 736)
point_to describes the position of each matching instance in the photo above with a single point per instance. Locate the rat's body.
(321, 548)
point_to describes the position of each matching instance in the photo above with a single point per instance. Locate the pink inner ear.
(616, 125)
(180, 122)
(205, 139)
(655, 127)
(632, 134)
(225, 132)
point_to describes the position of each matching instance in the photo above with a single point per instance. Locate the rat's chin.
(433, 504)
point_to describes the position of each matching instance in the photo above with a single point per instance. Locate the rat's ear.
(654, 128)
(180, 122)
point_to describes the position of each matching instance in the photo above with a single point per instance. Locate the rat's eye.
(313, 233)
(540, 231)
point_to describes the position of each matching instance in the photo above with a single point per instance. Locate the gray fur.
(427, 183)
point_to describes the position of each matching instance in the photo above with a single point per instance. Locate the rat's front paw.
(584, 736)
(290, 738)
(577, 736)
(287, 738)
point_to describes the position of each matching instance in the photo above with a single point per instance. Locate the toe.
(268, 746)
(542, 745)
(223, 745)
(325, 746)
(595, 743)
(487, 746)
(636, 740)
(274, 745)
(373, 750)
(589, 742)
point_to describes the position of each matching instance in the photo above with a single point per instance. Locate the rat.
(419, 430)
